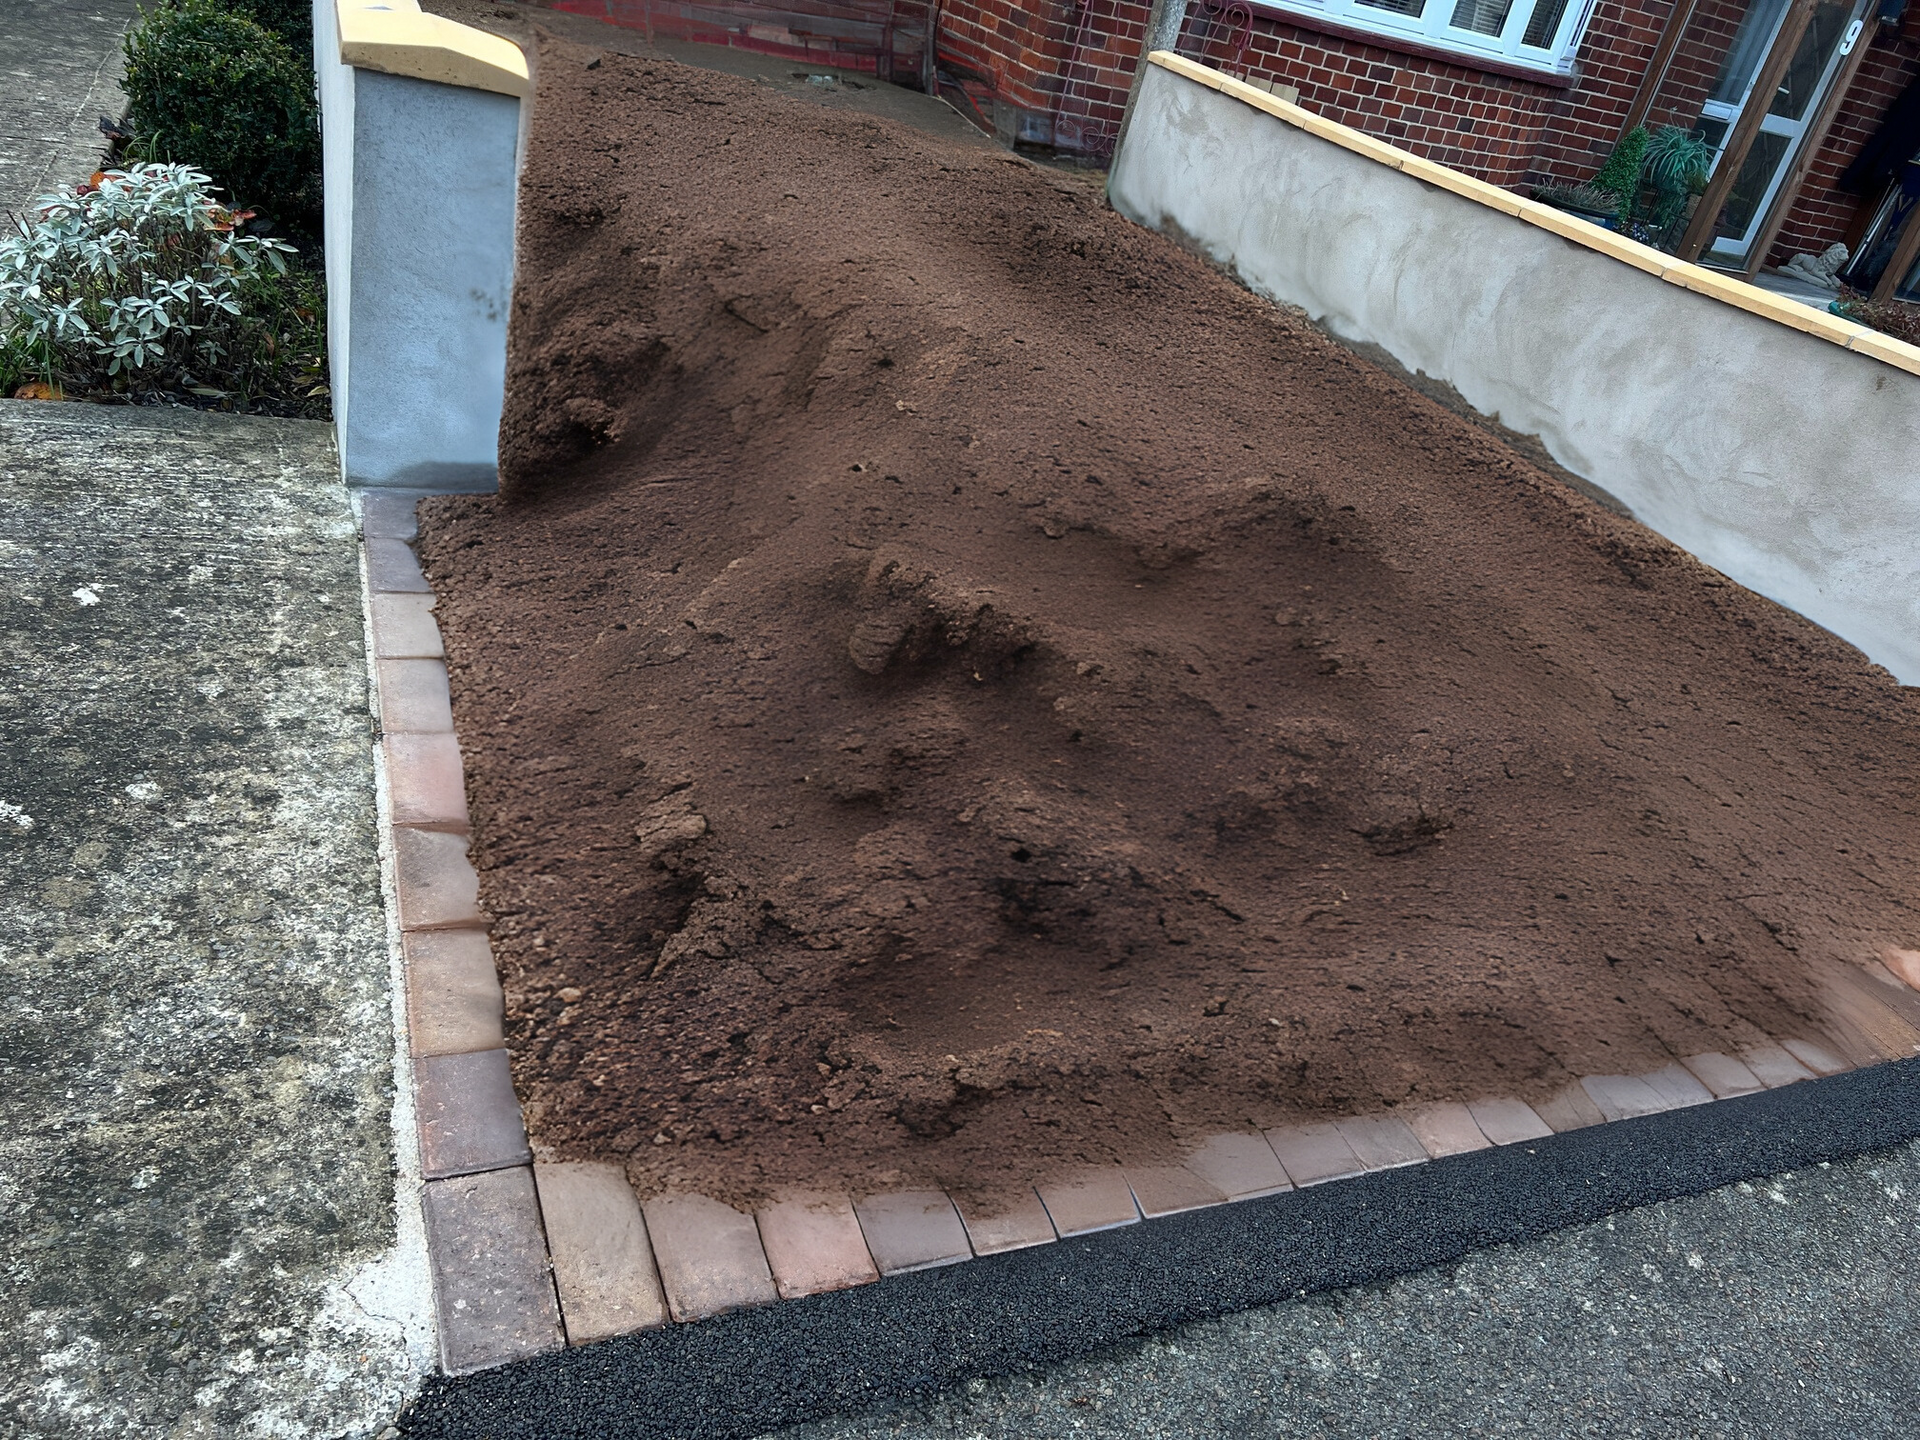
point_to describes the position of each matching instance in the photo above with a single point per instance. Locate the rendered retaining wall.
(421, 122)
(1777, 443)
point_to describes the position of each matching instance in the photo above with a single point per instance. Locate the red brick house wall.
(1068, 64)
(1823, 214)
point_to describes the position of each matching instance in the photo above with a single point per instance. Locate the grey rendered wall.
(420, 181)
(1782, 460)
(335, 84)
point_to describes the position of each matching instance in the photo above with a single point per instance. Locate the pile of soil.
(953, 687)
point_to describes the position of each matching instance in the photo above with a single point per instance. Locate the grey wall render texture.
(197, 1167)
(421, 183)
(1782, 460)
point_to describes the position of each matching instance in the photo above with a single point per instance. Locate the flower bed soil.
(952, 688)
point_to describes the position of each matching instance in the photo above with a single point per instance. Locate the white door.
(1833, 31)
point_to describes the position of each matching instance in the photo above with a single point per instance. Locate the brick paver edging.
(530, 1256)
(755, 1371)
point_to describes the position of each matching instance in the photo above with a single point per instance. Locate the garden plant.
(219, 85)
(141, 285)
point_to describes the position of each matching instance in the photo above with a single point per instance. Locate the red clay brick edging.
(528, 1256)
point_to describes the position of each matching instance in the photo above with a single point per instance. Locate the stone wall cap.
(397, 38)
(1699, 279)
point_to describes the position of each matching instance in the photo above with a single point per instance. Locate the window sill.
(1462, 59)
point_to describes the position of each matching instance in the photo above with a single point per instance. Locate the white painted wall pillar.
(421, 121)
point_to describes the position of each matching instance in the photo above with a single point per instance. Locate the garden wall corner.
(421, 121)
(1775, 442)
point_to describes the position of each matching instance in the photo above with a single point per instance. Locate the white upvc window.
(1539, 34)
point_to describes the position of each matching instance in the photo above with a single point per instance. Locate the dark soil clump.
(953, 687)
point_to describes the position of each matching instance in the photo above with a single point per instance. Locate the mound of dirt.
(953, 687)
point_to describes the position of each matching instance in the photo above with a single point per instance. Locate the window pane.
(1398, 7)
(1750, 45)
(1483, 17)
(1762, 160)
(1809, 63)
(1544, 23)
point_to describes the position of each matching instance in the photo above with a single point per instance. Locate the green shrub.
(1620, 176)
(215, 90)
(291, 20)
(141, 286)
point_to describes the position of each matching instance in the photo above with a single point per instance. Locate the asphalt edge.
(758, 1370)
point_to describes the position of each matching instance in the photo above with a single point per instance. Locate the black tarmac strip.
(758, 1370)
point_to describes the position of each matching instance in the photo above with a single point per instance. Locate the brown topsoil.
(953, 687)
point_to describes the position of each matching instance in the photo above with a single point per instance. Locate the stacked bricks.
(1063, 70)
(487, 1248)
(1823, 213)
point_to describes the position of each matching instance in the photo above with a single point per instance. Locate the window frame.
(1433, 29)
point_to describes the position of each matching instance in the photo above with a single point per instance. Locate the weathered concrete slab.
(60, 69)
(197, 1163)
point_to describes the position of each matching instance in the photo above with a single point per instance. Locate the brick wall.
(1068, 64)
(1453, 113)
(1823, 214)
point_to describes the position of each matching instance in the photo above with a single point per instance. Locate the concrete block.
(1723, 1075)
(469, 1116)
(1678, 1086)
(1874, 1014)
(1904, 965)
(425, 780)
(491, 1287)
(390, 514)
(602, 1259)
(437, 887)
(1381, 1142)
(1816, 1058)
(404, 627)
(1007, 1220)
(454, 1005)
(1624, 1097)
(912, 1230)
(1239, 1166)
(1171, 1189)
(709, 1254)
(1773, 1066)
(1507, 1121)
(414, 698)
(1447, 1128)
(813, 1244)
(392, 568)
(1313, 1154)
(1091, 1200)
(1571, 1109)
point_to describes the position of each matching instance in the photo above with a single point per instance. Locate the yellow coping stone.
(1764, 303)
(1596, 237)
(1465, 186)
(1192, 70)
(1887, 349)
(1266, 100)
(1696, 278)
(396, 38)
(1348, 138)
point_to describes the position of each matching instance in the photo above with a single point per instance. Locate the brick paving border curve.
(530, 1257)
